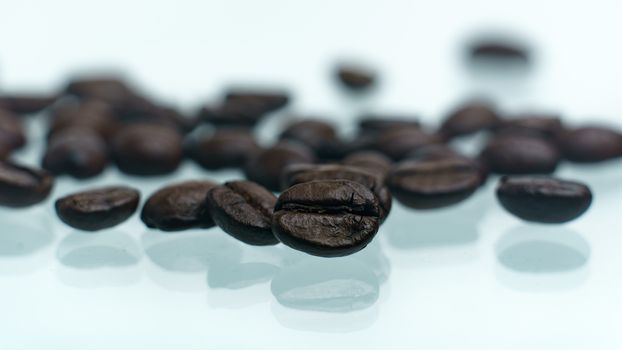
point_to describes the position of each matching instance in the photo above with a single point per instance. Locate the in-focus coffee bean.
(225, 148)
(178, 207)
(590, 144)
(97, 209)
(244, 210)
(469, 119)
(543, 199)
(23, 186)
(266, 167)
(431, 184)
(520, 154)
(147, 149)
(327, 218)
(76, 151)
(355, 78)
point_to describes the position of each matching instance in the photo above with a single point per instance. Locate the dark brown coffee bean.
(361, 142)
(300, 173)
(22, 186)
(520, 154)
(318, 135)
(543, 199)
(431, 184)
(226, 148)
(266, 167)
(433, 152)
(372, 161)
(355, 78)
(76, 151)
(237, 112)
(469, 119)
(11, 130)
(92, 114)
(26, 104)
(374, 123)
(178, 207)
(397, 143)
(327, 218)
(98, 209)
(590, 144)
(537, 125)
(498, 50)
(147, 149)
(243, 209)
(271, 100)
(111, 89)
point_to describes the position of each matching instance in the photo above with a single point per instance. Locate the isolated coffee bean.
(537, 125)
(271, 100)
(590, 144)
(26, 104)
(23, 186)
(76, 151)
(327, 218)
(11, 130)
(375, 123)
(243, 209)
(318, 135)
(499, 50)
(543, 199)
(397, 143)
(372, 161)
(99, 208)
(266, 167)
(178, 207)
(468, 119)
(147, 149)
(225, 148)
(300, 173)
(520, 154)
(355, 78)
(92, 114)
(430, 184)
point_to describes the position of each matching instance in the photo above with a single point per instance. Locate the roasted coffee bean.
(225, 148)
(397, 143)
(237, 112)
(355, 78)
(430, 184)
(266, 167)
(590, 144)
(111, 89)
(498, 50)
(318, 135)
(327, 218)
(11, 130)
(372, 161)
(271, 100)
(26, 104)
(76, 151)
(374, 123)
(98, 209)
(433, 152)
(178, 207)
(520, 154)
(537, 125)
(361, 142)
(147, 149)
(469, 119)
(243, 209)
(93, 114)
(300, 173)
(543, 199)
(22, 186)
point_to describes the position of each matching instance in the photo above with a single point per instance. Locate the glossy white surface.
(468, 277)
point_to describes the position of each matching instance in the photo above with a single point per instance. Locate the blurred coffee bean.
(26, 104)
(430, 184)
(355, 78)
(375, 123)
(23, 186)
(97, 209)
(537, 125)
(271, 100)
(300, 173)
(225, 148)
(178, 207)
(397, 143)
(111, 89)
(469, 119)
(372, 161)
(11, 130)
(266, 167)
(147, 149)
(433, 152)
(318, 135)
(140, 109)
(498, 50)
(90, 114)
(243, 209)
(76, 151)
(544, 199)
(520, 154)
(233, 113)
(361, 142)
(590, 144)
(327, 218)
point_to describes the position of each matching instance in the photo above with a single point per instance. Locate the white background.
(469, 277)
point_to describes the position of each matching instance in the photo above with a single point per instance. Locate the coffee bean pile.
(335, 192)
